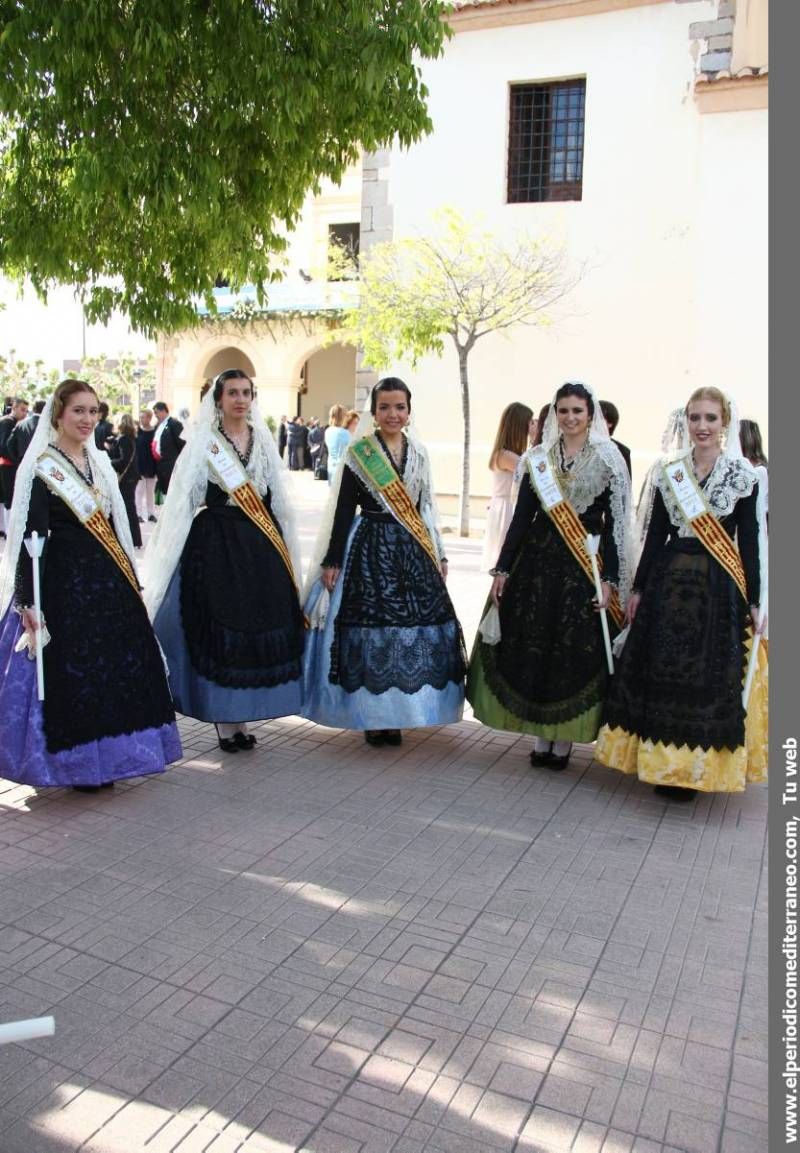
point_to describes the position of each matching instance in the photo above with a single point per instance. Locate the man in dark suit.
(22, 434)
(104, 429)
(296, 435)
(611, 414)
(282, 437)
(167, 444)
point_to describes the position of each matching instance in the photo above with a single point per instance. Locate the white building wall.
(731, 345)
(655, 171)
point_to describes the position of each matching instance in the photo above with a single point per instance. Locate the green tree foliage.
(25, 378)
(462, 283)
(148, 146)
(121, 383)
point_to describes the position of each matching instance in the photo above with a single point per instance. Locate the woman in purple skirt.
(107, 712)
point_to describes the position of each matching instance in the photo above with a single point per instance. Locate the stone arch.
(228, 357)
(327, 375)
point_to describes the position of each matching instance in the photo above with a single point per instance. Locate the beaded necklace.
(243, 457)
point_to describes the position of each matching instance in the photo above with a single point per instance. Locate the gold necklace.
(700, 476)
(397, 456)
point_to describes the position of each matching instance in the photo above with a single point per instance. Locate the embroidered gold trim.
(392, 492)
(102, 531)
(252, 506)
(573, 533)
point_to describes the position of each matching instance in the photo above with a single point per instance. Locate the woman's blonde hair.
(711, 393)
(512, 431)
(350, 415)
(126, 425)
(336, 415)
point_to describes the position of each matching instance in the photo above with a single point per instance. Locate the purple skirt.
(24, 756)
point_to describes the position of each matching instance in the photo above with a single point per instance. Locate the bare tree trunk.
(463, 508)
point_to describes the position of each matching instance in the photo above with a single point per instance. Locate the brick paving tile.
(318, 947)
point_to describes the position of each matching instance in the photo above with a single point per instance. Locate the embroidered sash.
(704, 524)
(567, 521)
(389, 490)
(230, 475)
(81, 500)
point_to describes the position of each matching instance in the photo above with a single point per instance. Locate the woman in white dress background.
(517, 425)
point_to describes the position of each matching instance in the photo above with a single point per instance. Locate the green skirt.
(487, 708)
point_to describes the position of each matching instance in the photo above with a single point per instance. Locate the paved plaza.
(321, 947)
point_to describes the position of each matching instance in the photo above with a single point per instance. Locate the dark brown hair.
(64, 393)
(230, 374)
(389, 384)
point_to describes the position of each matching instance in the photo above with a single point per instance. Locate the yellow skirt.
(707, 770)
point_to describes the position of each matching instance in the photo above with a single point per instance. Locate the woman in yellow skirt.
(675, 713)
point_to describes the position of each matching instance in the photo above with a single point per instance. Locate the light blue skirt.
(330, 704)
(197, 696)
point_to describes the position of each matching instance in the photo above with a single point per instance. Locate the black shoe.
(140, 519)
(244, 740)
(675, 793)
(373, 737)
(107, 785)
(227, 744)
(392, 737)
(86, 788)
(153, 519)
(540, 759)
(559, 763)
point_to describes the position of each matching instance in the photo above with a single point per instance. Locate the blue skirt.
(417, 705)
(24, 755)
(198, 696)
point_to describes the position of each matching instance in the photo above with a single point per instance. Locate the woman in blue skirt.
(222, 584)
(385, 650)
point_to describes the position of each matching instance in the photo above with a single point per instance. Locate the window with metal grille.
(545, 141)
(346, 237)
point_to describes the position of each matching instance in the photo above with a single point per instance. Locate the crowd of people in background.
(314, 446)
(142, 452)
(372, 642)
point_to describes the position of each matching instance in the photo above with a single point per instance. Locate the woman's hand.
(632, 608)
(498, 584)
(443, 565)
(759, 622)
(605, 597)
(330, 575)
(30, 621)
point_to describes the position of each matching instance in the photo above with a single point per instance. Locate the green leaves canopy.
(148, 146)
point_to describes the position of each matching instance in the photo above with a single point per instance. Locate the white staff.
(592, 546)
(16, 1031)
(35, 544)
(753, 661)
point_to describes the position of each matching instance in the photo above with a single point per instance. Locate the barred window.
(545, 141)
(346, 237)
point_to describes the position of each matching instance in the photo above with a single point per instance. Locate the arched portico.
(229, 357)
(294, 370)
(327, 376)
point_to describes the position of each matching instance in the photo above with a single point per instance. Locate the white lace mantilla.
(730, 479)
(588, 478)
